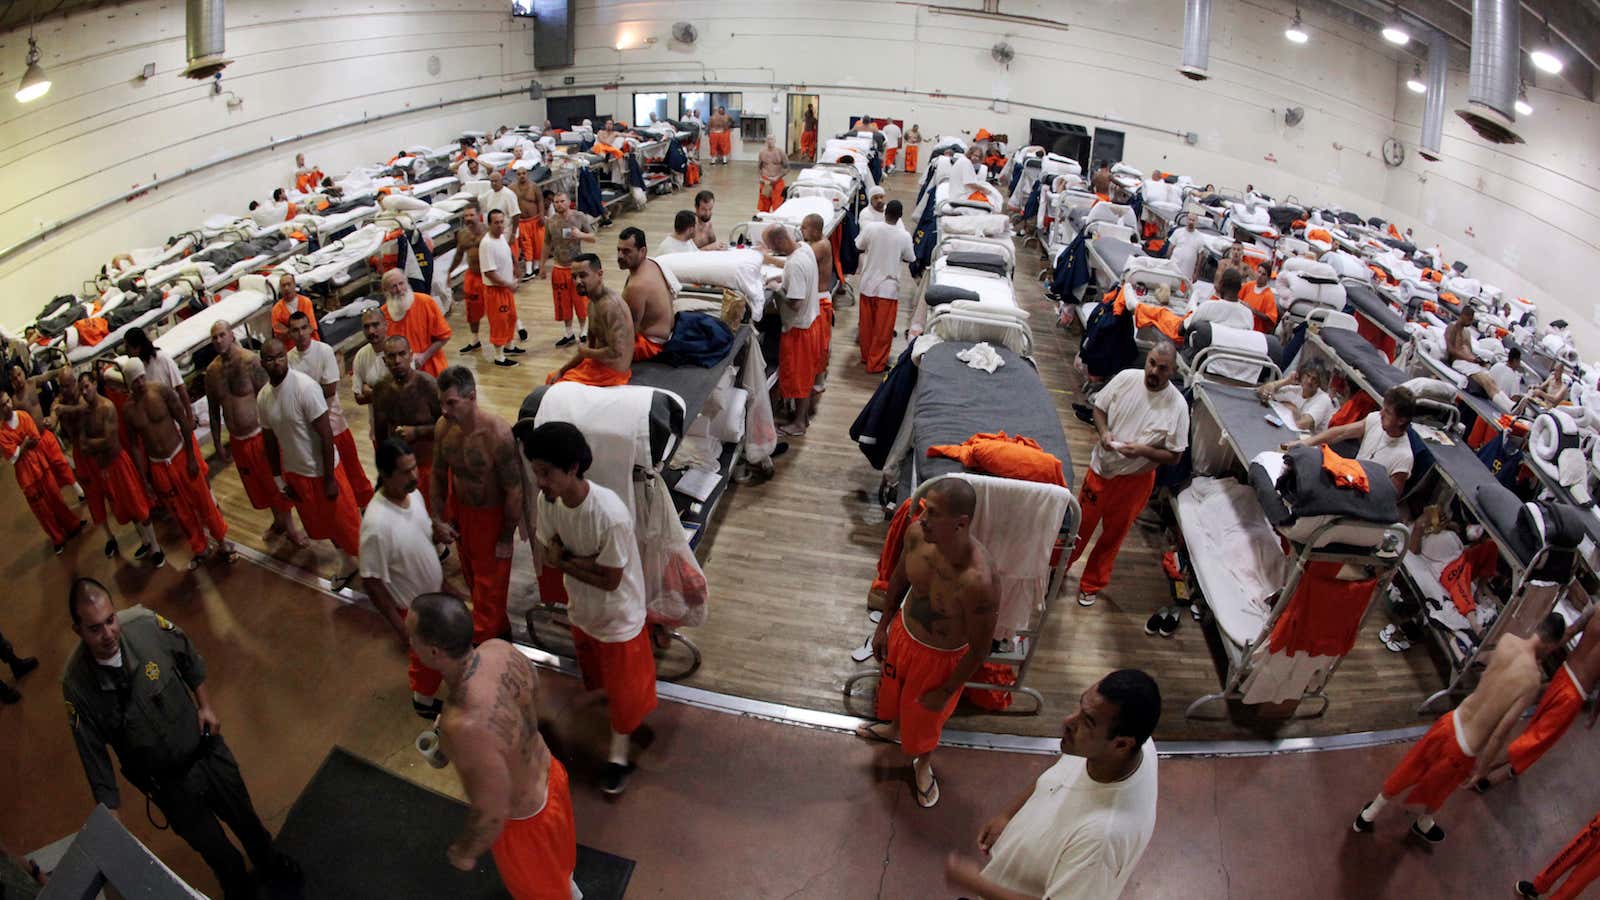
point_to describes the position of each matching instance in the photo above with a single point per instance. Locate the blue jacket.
(676, 159)
(635, 173)
(849, 256)
(589, 198)
(1072, 269)
(924, 239)
(879, 421)
(698, 339)
(1108, 345)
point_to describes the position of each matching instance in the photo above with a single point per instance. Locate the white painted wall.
(298, 66)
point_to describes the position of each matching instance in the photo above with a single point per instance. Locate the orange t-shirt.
(1262, 301)
(281, 313)
(31, 466)
(423, 325)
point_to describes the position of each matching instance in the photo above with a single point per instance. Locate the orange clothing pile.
(592, 372)
(91, 331)
(1006, 457)
(606, 150)
(1169, 323)
(1346, 472)
(281, 312)
(1354, 410)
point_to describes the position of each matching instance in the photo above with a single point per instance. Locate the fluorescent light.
(1396, 35)
(34, 82)
(1546, 61)
(1524, 108)
(1415, 83)
(1296, 32)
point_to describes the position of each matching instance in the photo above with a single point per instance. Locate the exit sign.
(568, 79)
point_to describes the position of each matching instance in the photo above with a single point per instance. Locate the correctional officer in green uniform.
(137, 684)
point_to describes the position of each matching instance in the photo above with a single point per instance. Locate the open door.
(801, 134)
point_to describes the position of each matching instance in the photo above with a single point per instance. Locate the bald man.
(801, 344)
(416, 317)
(500, 289)
(720, 136)
(565, 232)
(606, 358)
(822, 248)
(771, 165)
(647, 294)
(530, 223)
(913, 141)
(934, 641)
(306, 177)
(503, 199)
(317, 360)
(232, 382)
(165, 438)
(468, 236)
(291, 301)
(1143, 422)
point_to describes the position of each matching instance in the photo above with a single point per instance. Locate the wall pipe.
(1433, 102)
(1196, 39)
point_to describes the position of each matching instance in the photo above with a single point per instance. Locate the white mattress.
(736, 270)
(992, 290)
(1236, 555)
(795, 209)
(830, 177)
(196, 330)
(333, 261)
(168, 304)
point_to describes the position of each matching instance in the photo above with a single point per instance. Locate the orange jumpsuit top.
(423, 325)
(281, 313)
(1262, 301)
(30, 466)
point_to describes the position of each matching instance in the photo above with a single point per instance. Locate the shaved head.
(955, 495)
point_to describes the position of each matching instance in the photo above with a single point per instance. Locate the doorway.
(800, 137)
(565, 112)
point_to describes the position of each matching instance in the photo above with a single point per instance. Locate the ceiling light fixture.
(1296, 31)
(1523, 107)
(1544, 58)
(35, 83)
(1415, 82)
(1395, 31)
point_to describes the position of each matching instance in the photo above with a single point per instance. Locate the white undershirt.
(320, 365)
(887, 248)
(288, 411)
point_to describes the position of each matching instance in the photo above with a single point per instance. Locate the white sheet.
(196, 330)
(1237, 557)
(736, 270)
(1017, 522)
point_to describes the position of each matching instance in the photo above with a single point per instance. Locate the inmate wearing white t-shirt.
(1075, 838)
(1223, 312)
(1509, 380)
(670, 244)
(891, 136)
(800, 283)
(1393, 453)
(321, 366)
(1319, 407)
(601, 527)
(494, 255)
(397, 548)
(162, 370)
(887, 248)
(869, 216)
(287, 410)
(504, 200)
(1134, 415)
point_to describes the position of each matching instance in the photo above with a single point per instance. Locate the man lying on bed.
(647, 294)
(605, 358)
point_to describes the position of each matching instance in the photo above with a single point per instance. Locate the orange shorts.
(530, 239)
(488, 577)
(472, 292)
(644, 348)
(564, 291)
(536, 855)
(911, 669)
(502, 308)
(250, 459)
(721, 143)
(51, 445)
(1433, 769)
(337, 520)
(350, 464)
(625, 670)
(120, 483)
(771, 197)
(800, 350)
(1557, 710)
(592, 372)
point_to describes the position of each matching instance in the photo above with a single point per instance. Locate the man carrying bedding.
(1143, 422)
(934, 641)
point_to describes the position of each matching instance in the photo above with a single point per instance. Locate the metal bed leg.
(1192, 711)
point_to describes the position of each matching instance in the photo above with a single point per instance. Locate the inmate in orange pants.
(911, 157)
(119, 482)
(421, 679)
(501, 303)
(625, 670)
(250, 461)
(44, 499)
(472, 292)
(337, 520)
(536, 855)
(530, 240)
(808, 143)
(911, 669)
(592, 372)
(1112, 504)
(644, 348)
(488, 577)
(875, 330)
(188, 498)
(770, 197)
(59, 467)
(721, 144)
(564, 291)
(1581, 856)
(889, 156)
(344, 443)
(1434, 768)
(799, 352)
(1557, 710)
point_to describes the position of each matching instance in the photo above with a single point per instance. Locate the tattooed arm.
(482, 767)
(508, 473)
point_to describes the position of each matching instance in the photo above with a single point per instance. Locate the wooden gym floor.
(789, 561)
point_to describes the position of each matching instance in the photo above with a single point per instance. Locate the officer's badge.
(152, 671)
(165, 624)
(72, 714)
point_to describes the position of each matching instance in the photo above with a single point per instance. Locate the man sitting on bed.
(705, 236)
(646, 293)
(1305, 390)
(1225, 308)
(935, 642)
(1459, 354)
(606, 358)
(1384, 436)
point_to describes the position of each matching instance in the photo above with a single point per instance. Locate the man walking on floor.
(90, 423)
(1078, 832)
(317, 361)
(530, 223)
(398, 560)
(719, 136)
(468, 236)
(521, 804)
(943, 602)
(1569, 689)
(1580, 857)
(800, 346)
(499, 289)
(477, 496)
(1143, 422)
(586, 531)
(886, 247)
(304, 461)
(1464, 743)
(771, 165)
(564, 232)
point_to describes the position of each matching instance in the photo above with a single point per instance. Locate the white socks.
(619, 749)
(147, 534)
(1373, 808)
(1425, 822)
(568, 325)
